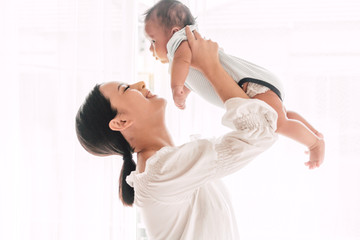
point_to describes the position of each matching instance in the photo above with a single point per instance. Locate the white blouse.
(180, 194)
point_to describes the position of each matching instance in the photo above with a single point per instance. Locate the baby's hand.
(179, 96)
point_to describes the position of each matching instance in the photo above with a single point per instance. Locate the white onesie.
(260, 80)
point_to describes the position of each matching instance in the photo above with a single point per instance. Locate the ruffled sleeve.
(254, 123)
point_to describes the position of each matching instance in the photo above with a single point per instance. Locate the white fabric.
(237, 68)
(255, 89)
(180, 194)
(52, 53)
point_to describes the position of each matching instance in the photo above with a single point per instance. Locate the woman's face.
(135, 101)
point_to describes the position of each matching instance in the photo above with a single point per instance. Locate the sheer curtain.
(52, 53)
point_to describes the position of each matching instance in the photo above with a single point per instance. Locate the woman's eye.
(153, 41)
(126, 88)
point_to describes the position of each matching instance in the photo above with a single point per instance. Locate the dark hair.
(95, 135)
(171, 13)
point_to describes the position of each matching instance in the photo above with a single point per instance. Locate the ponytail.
(126, 192)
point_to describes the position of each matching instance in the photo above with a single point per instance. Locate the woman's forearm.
(223, 83)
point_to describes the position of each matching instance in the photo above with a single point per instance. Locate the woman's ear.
(119, 123)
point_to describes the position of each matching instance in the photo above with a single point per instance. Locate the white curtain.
(52, 52)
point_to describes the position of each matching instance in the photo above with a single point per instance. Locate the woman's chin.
(161, 102)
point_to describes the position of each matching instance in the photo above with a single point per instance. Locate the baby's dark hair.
(170, 13)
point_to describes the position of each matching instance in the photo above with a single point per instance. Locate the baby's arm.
(179, 71)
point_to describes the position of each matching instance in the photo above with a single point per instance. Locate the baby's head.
(162, 21)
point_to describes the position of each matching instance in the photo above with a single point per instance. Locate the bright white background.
(52, 52)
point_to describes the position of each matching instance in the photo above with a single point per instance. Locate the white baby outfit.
(260, 80)
(180, 194)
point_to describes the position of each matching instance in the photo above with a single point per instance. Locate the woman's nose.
(139, 85)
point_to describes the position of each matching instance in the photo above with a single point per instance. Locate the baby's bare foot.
(317, 153)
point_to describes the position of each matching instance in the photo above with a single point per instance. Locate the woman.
(177, 188)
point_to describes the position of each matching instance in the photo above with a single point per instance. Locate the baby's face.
(158, 38)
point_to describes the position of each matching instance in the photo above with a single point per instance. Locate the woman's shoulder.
(169, 160)
(174, 166)
(183, 159)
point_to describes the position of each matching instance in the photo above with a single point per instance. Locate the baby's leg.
(296, 129)
(296, 116)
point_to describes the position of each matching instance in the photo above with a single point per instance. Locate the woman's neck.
(147, 142)
(153, 144)
(146, 152)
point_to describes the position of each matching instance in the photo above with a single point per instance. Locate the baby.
(165, 27)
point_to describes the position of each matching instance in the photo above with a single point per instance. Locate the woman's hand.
(204, 52)
(206, 59)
